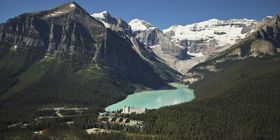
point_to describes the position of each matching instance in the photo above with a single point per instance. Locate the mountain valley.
(60, 68)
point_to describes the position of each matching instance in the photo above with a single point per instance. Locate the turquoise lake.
(155, 99)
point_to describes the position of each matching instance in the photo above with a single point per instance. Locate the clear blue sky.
(161, 13)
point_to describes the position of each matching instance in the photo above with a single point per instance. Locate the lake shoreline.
(167, 87)
(154, 99)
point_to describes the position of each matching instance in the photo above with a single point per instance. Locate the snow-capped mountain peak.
(140, 25)
(225, 32)
(101, 15)
(114, 23)
(63, 9)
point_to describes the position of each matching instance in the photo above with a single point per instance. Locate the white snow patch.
(55, 13)
(270, 16)
(140, 25)
(209, 30)
(100, 15)
(200, 54)
(72, 5)
(107, 25)
(154, 46)
(62, 10)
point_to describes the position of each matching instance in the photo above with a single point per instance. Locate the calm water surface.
(155, 99)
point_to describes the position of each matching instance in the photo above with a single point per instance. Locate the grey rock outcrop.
(211, 36)
(163, 47)
(154, 37)
(70, 34)
(263, 42)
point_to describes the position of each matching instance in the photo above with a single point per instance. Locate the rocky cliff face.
(263, 42)
(182, 47)
(147, 53)
(270, 30)
(162, 46)
(70, 37)
(66, 31)
(116, 24)
(149, 36)
(155, 38)
(209, 36)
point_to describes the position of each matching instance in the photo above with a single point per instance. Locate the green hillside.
(241, 102)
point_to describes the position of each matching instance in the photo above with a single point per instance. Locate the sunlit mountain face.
(66, 73)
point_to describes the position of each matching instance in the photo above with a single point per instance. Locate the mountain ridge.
(69, 49)
(264, 41)
(197, 49)
(237, 93)
(65, 57)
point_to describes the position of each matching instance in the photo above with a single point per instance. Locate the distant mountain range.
(182, 47)
(66, 43)
(264, 41)
(64, 55)
(67, 57)
(237, 93)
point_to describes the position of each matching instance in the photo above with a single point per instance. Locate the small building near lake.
(130, 110)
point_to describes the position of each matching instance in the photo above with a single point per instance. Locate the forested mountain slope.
(64, 56)
(238, 97)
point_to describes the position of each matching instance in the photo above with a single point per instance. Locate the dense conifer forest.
(241, 102)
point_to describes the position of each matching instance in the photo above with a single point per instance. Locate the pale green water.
(155, 99)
